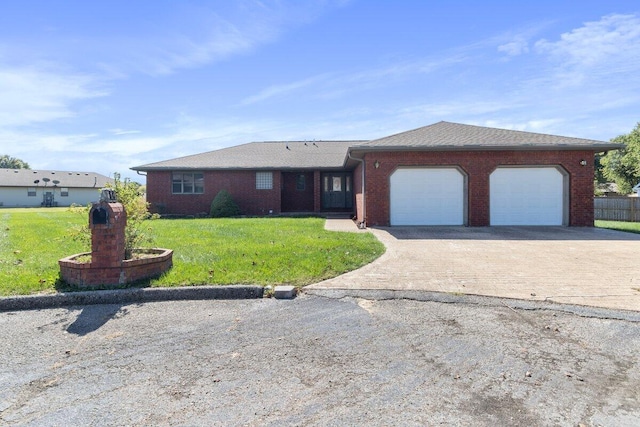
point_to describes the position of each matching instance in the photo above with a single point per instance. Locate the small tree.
(131, 196)
(224, 206)
(623, 166)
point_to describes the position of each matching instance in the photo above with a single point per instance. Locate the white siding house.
(31, 188)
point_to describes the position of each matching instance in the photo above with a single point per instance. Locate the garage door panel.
(527, 196)
(427, 196)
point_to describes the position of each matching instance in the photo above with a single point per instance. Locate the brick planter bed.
(87, 275)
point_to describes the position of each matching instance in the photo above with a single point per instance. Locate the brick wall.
(478, 166)
(295, 199)
(240, 184)
(108, 239)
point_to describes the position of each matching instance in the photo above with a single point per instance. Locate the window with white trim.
(187, 183)
(64, 192)
(31, 192)
(264, 180)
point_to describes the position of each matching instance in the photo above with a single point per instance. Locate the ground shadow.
(92, 317)
(507, 233)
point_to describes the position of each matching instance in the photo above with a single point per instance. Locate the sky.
(106, 85)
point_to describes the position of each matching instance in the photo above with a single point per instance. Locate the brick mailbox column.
(107, 221)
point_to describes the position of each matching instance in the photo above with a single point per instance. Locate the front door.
(337, 191)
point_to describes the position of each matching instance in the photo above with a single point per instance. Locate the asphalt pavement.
(317, 361)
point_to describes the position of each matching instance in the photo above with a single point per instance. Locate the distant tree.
(7, 162)
(599, 170)
(623, 166)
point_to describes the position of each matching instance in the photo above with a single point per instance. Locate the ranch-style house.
(441, 174)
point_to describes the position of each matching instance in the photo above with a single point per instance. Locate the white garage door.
(427, 196)
(527, 196)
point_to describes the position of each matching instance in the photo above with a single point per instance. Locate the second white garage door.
(427, 196)
(527, 196)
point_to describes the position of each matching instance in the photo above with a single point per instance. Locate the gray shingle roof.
(26, 178)
(456, 136)
(264, 155)
(333, 154)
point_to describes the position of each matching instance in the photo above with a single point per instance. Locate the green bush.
(223, 206)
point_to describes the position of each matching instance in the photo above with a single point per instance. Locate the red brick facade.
(477, 165)
(297, 192)
(285, 197)
(240, 184)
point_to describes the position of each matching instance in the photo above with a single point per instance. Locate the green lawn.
(261, 251)
(631, 227)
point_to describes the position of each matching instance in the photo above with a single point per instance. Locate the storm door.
(337, 191)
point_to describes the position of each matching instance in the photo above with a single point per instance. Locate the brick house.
(442, 174)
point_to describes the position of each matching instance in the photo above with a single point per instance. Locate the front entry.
(337, 191)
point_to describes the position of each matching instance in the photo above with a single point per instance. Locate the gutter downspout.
(363, 224)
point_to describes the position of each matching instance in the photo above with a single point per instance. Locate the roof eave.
(594, 147)
(252, 168)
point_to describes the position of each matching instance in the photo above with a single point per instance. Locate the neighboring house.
(636, 189)
(29, 188)
(442, 174)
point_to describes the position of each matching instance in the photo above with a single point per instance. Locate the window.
(187, 183)
(301, 182)
(264, 180)
(31, 192)
(64, 192)
(337, 183)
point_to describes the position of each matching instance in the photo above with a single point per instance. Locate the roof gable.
(456, 136)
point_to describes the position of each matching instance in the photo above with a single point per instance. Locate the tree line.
(7, 162)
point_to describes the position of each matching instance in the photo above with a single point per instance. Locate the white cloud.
(598, 42)
(214, 35)
(119, 131)
(335, 85)
(516, 47)
(38, 94)
(283, 89)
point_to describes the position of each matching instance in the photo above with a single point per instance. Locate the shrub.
(130, 194)
(223, 206)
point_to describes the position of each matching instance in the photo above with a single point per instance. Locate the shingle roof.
(333, 154)
(26, 178)
(456, 136)
(264, 155)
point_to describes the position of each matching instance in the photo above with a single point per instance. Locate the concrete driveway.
(583, 266)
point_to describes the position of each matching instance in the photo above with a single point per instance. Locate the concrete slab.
(342, 224)
(284, 292)
(582, 266)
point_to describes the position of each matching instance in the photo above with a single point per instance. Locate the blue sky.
(103, 86)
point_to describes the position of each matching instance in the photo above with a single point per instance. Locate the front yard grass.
(630, 227)
(256, 251)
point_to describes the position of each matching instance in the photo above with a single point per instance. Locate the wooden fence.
(617, 208)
